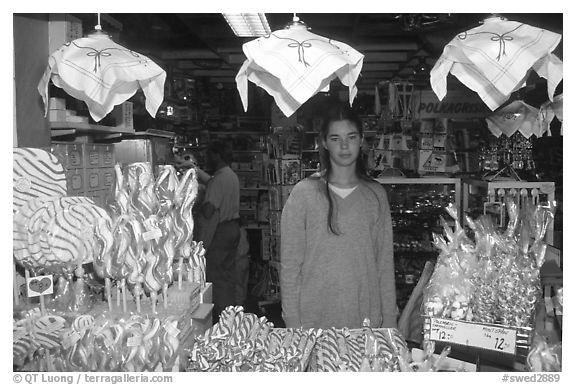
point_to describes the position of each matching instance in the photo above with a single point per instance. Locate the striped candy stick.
(330, 350)
(249, 321)
(35, 173)
(356, 351)
(345, 360)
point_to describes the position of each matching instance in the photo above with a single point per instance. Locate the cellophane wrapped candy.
(496, 277)
(544, 357)
(522, 248)
(450, 290)
(484, 278)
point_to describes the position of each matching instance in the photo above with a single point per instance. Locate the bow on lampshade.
(103, 74)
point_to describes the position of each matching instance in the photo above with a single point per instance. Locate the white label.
(496, 338)
(134, 341)
(153, 234)
(40, 285)
(171, 329)
(150, 223)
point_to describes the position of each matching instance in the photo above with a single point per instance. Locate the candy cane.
(165, 188)
(330, 350)
(121, 244)
(121, 195)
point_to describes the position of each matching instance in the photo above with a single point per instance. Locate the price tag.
(40, 285)
(134, 341)
(150, 223)
(153, 234)
(171, 329)
(496, 338)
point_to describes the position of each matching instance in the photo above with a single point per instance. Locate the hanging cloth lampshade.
(294, 64)
(103, 74)
(516, 116)
(550, 110)
(495, 58)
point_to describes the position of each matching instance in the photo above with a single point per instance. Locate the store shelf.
(423, 180)
(77, 128)
(416, 205)
(253, 226)
(215, 133)
(192, 124)
(478, 193)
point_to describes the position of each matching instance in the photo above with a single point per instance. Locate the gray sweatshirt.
(329, 280)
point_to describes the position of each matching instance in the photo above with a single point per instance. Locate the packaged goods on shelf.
(291, 171)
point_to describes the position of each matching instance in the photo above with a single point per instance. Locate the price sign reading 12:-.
(488, 337)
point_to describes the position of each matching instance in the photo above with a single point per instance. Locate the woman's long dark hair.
(337, 113)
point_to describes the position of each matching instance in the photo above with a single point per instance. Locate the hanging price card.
(40, 285)
(490, 337)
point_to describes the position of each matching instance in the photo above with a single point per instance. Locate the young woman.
(337, 266)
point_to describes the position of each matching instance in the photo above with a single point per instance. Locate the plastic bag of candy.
(543, 357)
(450, 290)
(521, 251)
(484, 277)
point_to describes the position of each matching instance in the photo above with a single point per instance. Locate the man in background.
(219, 222)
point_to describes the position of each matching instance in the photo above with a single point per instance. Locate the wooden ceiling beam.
(234, 58)
(189, 54)
(370, 75)
(202, 64)
(392, 45)
(214, 73)
(385, 57)
(367, 67)
(222, 80)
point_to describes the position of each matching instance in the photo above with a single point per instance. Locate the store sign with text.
(455, 105)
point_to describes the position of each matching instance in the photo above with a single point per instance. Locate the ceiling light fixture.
(293, 64)
(94, 69)
(248, 24)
